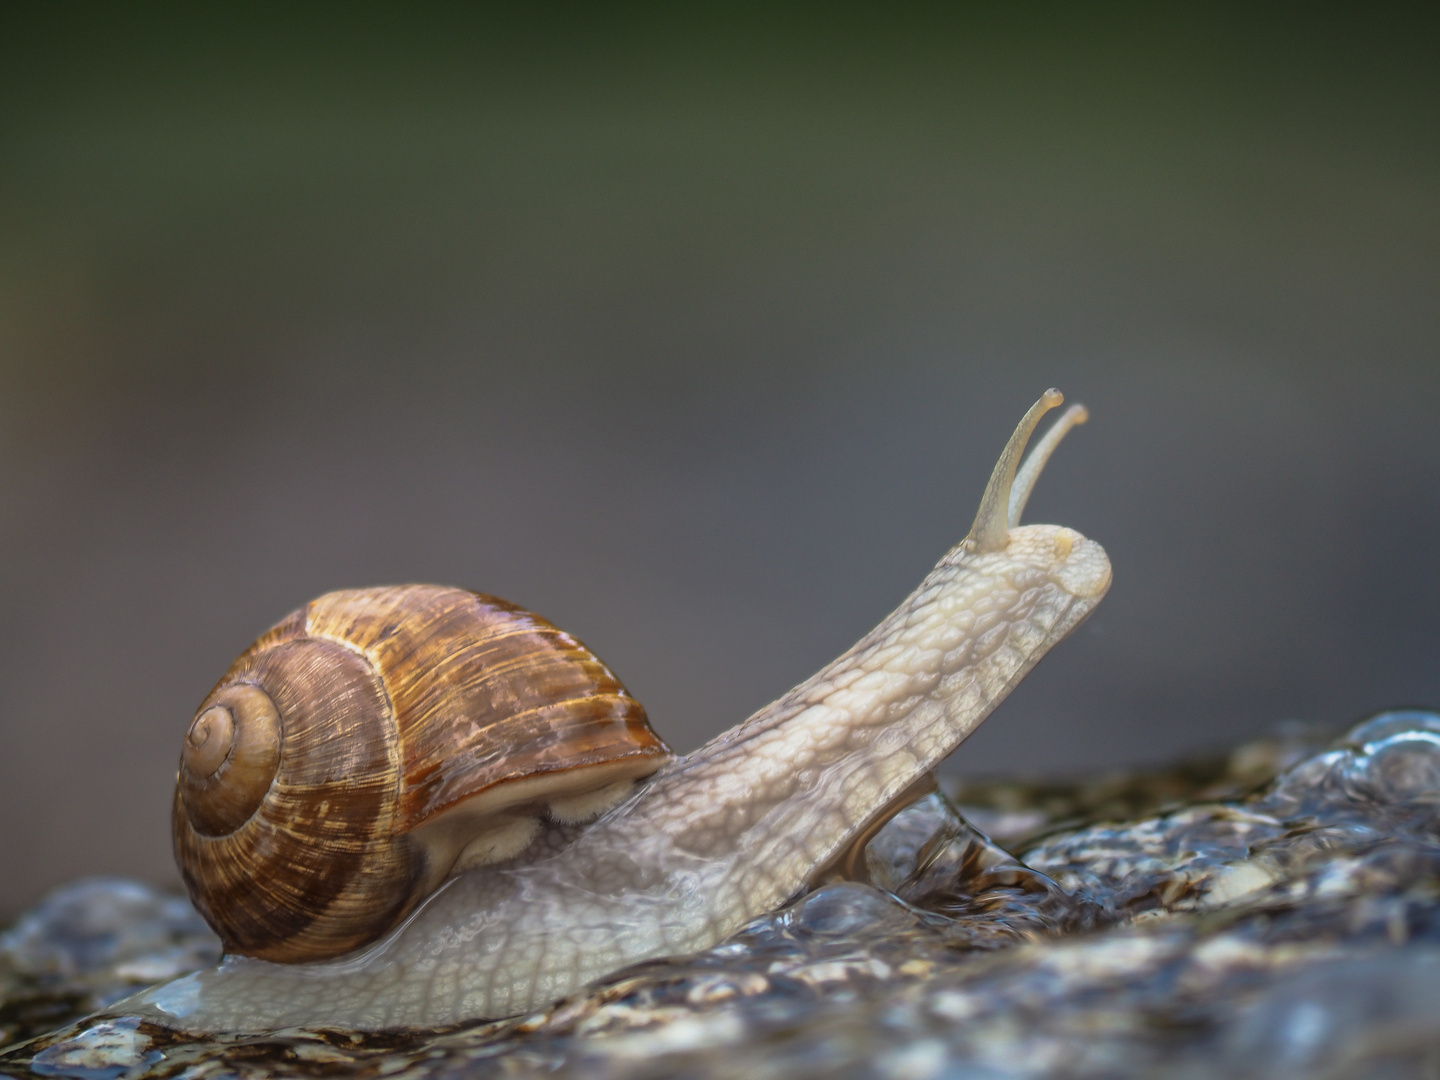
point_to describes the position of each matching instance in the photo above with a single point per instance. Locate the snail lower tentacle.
(712, 839)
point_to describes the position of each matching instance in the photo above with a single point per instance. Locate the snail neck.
(785, 794)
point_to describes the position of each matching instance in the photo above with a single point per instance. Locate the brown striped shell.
(378, 740)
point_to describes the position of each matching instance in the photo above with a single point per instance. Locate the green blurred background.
(699, 334)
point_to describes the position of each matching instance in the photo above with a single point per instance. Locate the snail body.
(714, 838)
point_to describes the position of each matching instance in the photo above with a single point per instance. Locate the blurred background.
(699, 335)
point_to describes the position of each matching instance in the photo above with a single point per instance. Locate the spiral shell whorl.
(317, 865)
(228, 764)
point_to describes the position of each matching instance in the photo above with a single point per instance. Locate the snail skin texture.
(717, 837)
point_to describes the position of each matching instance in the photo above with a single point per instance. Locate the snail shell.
(377, 741)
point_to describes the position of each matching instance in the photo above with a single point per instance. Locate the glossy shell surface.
(395, 708)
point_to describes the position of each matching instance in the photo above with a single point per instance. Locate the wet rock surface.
(1216, 920)
(90, 944)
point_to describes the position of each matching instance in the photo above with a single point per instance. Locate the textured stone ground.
(1213, 920)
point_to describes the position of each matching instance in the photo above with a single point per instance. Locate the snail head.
(1076, 564)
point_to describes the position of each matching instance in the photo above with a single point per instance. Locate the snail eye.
(229, 759)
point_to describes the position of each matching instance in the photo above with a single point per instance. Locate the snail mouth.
(229, 760)
(1084, 572)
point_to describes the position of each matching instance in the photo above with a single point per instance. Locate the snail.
(507, 877)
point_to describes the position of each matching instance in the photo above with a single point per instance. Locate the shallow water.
(1163, 924)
